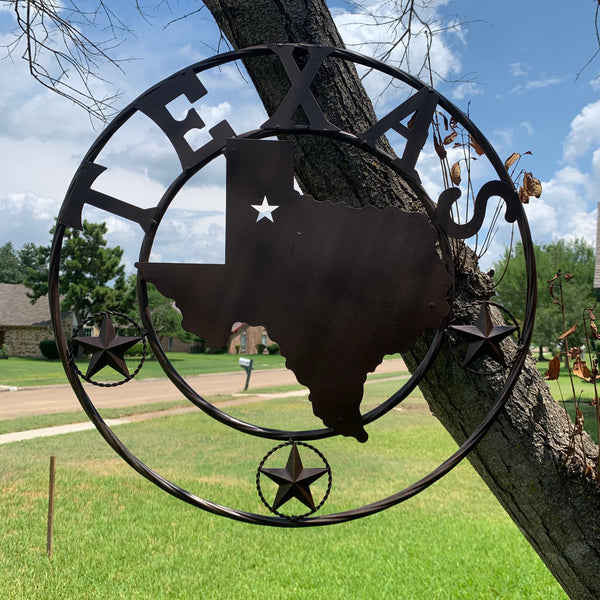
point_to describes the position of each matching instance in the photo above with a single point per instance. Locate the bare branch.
(68, 44)
(403, 22)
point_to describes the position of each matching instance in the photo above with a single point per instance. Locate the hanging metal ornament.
(108, 348)
(309, 259)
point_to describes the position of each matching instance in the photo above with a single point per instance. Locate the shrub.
(219, 350)
(199, 346)
(273, 348)
(136, 350)
(237, 348)
(4, 351)
(260, 348)
(48, 349)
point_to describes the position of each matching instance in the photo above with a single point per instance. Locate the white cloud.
(534, 84)
(191, 53)
(362, 32)
(518, 69)
(503, 140)
(466, 89)
(26, 217)
(526, 125)
(42, 168)
(584, 133)
(565, 209)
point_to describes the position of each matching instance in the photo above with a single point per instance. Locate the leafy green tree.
(92, 278)
(31, 256)
(165, 317)
(571, 257)
(10, 271)
(14, 264)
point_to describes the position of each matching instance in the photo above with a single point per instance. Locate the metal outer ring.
(340, 517)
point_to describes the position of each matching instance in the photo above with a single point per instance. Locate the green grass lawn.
(21, 372)
(118, 537)
(562, 392)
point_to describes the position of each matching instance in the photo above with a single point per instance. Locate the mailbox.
(246, 364)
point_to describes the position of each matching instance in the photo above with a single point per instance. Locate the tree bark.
(527, 458)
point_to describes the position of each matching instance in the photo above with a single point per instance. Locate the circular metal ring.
(379, 505)
(91, 319)
(325, 495)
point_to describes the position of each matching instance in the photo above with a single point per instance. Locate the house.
(244, 338)
(24, 325)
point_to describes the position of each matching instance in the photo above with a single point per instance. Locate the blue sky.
(516, 64)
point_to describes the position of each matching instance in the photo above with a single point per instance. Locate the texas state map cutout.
(337, 287)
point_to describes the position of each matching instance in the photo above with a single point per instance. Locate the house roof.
(16, 308)
(237, 326)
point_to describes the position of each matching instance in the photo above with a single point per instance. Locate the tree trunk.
(526, 459)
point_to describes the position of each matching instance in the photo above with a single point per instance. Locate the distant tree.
(10, 271)
(165, 317)
(92, 278)
(574, 257)
(14, 264)
(31, 256)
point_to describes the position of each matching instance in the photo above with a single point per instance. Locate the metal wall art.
(346, 286)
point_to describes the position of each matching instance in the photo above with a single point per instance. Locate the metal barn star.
(107, 349)
(485, 338)
(294, 481)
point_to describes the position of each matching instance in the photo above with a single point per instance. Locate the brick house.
(246, 337)
(24, 325)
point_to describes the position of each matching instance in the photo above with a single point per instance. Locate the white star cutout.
(265, 211)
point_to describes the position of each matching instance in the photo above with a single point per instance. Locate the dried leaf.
(523, 197)
(580, 369)
(450, 138)
(574, 352)
(579, 421)
(511, 160)
(592, 317)
(594, 329)
(439, 148)
(411, 121)
(555, 300)
(445, 120)
(455, 173)
(569, 276)
(553, 369)
(532, 185)
(568, 333)
(473, 143)
(589, 470)
(453, 123)
(554, 278)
